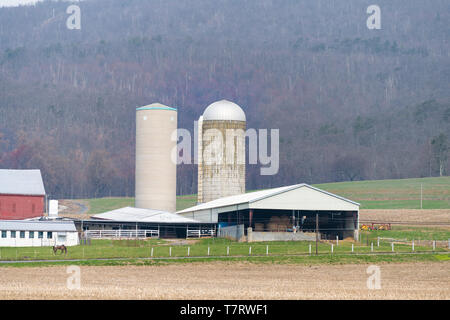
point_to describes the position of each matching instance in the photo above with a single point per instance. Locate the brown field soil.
(406, 215)
(222, 280)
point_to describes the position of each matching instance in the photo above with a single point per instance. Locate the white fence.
(200, 233)
(121, 234)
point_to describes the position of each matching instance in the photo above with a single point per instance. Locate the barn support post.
(317, 233)
(250, 218)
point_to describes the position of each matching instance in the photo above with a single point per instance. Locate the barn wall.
(23, 207)
(71, 239)
(304, 198)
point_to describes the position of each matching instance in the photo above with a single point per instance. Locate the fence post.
(189, 251)
(151, 254)
(371, 246)
(267, 250)
(352, 247)
(170, 251)
(250, 251)
(412, 245)
(434, 245)
(332, 248)
(392, 245)
(337, 240)
(228, 251)
(378, 242)
(208, 250)
(310, 249)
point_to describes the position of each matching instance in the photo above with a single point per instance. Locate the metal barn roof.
(35, 225)
(21, 182)
(130, 214)
(295, 197)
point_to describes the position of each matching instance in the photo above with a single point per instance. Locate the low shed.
(132, 222)
(37, 233)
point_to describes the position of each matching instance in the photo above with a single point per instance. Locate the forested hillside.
(351, 103)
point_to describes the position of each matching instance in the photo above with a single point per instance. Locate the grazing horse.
(62, 248)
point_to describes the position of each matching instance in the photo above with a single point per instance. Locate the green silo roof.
(156, 106)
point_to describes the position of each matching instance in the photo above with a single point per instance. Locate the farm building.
(144, 223)
(221, 151)
(278, 214)
(22, 194)
(36, 233)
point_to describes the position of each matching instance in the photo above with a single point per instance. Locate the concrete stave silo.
(221, 137)
(155, 169)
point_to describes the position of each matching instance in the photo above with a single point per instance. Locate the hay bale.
(275, 219)
(259, 227)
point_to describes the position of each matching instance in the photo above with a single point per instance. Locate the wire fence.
(111, 249)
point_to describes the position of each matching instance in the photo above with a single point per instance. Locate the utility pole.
(317, 234)
(421, 195)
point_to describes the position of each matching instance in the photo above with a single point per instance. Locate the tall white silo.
(221, 151)
(156, 173)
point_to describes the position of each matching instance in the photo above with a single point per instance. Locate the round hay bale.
(285, 221)
(274, 219)
(272, 227)
(259, 227)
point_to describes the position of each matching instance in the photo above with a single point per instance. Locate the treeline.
(350, 103)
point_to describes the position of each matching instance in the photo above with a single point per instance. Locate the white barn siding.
(58, 238)
(304, 198)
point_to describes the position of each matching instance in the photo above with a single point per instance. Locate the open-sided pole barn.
(286, 209)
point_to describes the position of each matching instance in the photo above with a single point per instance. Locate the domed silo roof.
(224, 110)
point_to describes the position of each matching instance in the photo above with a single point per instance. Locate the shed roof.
(130, 214)
(37, 225)
(256, 199)
(21, 182)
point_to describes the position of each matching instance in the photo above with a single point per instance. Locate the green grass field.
(395, 194)
(376, 194)
(109, 249)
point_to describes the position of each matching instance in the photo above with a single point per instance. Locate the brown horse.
(62, 248)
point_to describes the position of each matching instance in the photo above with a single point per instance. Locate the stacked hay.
(273, 224)
(278, 224)
(285, 223)
(259, 227)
